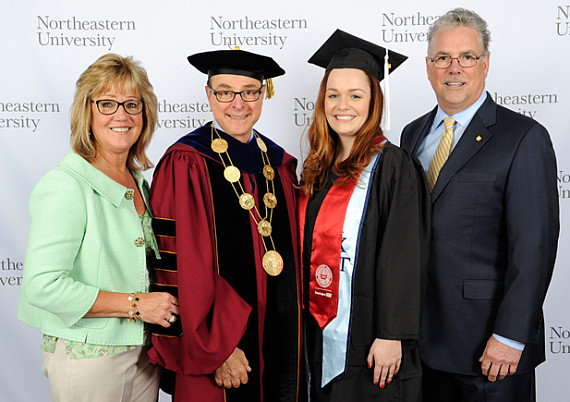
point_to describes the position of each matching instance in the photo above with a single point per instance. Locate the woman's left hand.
(158, 308)
(384, 357)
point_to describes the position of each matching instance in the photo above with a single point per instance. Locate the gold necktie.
(441, 153)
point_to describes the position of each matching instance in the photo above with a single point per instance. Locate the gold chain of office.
(272, 261)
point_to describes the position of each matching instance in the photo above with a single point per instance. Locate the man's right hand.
(234, 371)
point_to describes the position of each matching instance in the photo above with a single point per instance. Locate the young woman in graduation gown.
(364, 220)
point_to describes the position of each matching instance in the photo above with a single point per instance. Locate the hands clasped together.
(234, 371)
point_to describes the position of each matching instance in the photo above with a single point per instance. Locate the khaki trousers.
(123, 377)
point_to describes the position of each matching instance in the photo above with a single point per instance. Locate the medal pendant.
(264, 228)
(268, 172)
(219, 145)
(232, 174)
(272, 263)
(246, 201)
(269, 200)
(261, 144)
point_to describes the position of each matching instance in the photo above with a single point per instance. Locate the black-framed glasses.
(109, 106)
(464, 61)
(247, 95)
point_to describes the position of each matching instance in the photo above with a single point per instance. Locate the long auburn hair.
(324, 142)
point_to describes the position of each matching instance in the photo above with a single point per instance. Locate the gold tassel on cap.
(269, 88)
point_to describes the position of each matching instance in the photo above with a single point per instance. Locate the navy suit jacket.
(494, 239)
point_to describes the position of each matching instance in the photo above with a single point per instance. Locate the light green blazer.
(85, 236)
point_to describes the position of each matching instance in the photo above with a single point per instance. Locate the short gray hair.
(464, 18)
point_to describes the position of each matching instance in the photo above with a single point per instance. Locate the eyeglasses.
(108, 106)
(248, 95)
(464, 61)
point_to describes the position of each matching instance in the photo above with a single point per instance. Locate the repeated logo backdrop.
(44, 46)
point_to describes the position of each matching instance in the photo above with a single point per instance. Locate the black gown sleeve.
(404, 203)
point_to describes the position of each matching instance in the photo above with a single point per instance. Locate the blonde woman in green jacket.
(85, 280)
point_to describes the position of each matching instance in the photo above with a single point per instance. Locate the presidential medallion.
(268, 172)
(270, 200)
(261, 144)
(272, 263)
(232, 174)
(219, 145)
(264, 228)
(246, 201)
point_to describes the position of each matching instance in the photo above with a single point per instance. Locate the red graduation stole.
(325, 255)
(327, 244)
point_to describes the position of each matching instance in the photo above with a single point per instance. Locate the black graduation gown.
(388, 282)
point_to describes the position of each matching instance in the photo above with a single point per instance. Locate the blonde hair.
(128, 74)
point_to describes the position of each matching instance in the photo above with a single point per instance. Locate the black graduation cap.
(237, 62)
(343, 50)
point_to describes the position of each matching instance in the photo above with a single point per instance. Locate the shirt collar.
(219, 128)
(462, 118)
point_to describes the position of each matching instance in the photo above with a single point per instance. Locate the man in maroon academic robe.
(238, 337)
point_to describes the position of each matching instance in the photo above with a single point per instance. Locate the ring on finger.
(172, 319)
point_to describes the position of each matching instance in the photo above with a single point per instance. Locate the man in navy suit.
(495, 226)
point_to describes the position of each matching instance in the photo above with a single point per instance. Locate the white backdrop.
(44, 46)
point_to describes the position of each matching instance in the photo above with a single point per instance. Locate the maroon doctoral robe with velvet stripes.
(211, 260)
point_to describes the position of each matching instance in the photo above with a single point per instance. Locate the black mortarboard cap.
(343, 50)
(237, 62)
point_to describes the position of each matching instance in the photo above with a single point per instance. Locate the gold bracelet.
(134, 312)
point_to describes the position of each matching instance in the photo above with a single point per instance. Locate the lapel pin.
(478, 138)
